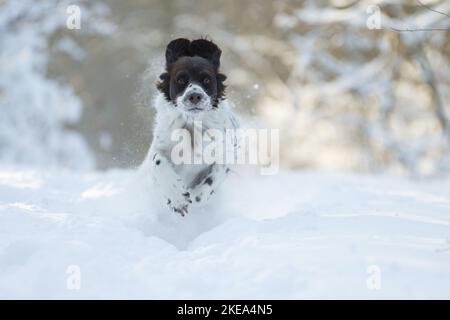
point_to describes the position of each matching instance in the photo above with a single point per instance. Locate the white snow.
(292, 235)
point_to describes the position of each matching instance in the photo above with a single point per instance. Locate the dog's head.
(192, 81)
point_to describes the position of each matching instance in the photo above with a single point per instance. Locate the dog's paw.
(180, 204)
(182, 211)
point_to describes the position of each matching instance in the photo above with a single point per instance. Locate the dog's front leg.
(170, 184)
(207, 183)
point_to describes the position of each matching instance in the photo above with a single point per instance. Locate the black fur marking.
(209, 181)
(197, 198)
(164, 85)
(206, 49)
(183, 210)
(176, 49)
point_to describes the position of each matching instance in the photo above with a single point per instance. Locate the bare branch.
(420, 30)
(434, 10)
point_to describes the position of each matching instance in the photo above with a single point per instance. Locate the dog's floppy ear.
(208, 50)
(176, 49)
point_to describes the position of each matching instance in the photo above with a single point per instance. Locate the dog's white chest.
(186, 141)
(176, 158)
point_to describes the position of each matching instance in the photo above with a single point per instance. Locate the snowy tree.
(36, 111)
(377, 74)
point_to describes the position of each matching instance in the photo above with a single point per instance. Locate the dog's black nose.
(194, 97)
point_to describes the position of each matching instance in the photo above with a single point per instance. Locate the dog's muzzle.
(195, 99)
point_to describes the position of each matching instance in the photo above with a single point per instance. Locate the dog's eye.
(180, 80)
(206, 80)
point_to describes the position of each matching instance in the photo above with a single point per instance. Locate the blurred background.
(359, 86)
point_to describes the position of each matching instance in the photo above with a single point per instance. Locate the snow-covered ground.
(292, 235)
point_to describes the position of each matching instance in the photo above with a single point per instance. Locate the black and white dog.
(191, 94)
